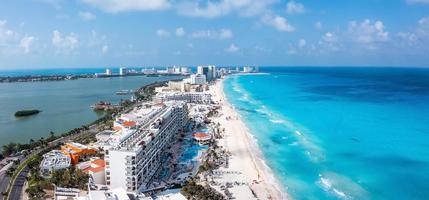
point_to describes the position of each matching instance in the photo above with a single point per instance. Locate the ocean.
(64, 104)
(340, 133)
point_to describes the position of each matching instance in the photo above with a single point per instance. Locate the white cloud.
(212, 9)
(278, 22)
(68, 42)
(329, 42)
(162, 33)
(104, 49)
(329, 37)
(87, 16)
(232, 48)
(213, 34)
(26, 43)
(302, 43)
(6, 35)
(115, 6)
(180, 31)
(367, 33)
(295, 8)
(421, 33)
(410, 37)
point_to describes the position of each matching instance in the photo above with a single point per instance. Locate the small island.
(24, 113)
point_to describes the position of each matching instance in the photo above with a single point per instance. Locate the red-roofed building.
(95, 169)
(129, 123)
(202, 138)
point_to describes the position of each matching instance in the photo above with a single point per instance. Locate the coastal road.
(4, 182)
(16, 192)
(18, 183)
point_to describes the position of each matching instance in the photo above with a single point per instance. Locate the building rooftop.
(55, 159)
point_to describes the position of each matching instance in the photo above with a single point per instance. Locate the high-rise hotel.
(133, 162)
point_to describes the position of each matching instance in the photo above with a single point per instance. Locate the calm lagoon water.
(65, 104)
(340, 133)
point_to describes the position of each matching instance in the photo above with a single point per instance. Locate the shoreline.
(245, 151)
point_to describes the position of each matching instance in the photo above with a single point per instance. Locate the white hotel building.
(132, 163)
(188, 97)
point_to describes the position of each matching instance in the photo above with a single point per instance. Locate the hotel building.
(54, 160)
(133, 162)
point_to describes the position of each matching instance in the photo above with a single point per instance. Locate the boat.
(124, 92)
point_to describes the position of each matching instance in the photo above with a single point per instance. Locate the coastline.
(239, 141)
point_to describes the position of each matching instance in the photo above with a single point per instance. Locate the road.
(18, 183)
(4, 182)
(16, 192)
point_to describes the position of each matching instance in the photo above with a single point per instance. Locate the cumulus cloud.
(6, 35)
(329, 42)
(421, 33)
(368, 33)
(162, 33)
(87, 16)
(213, 34)
(232, 48)
(68, 42)
(26, 43)
(212, 9)
(295, 8)
(115, 6)
(278, 22)
(180, 31)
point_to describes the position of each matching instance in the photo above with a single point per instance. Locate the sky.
(111, 33)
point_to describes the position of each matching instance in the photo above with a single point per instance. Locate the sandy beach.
(246, 164)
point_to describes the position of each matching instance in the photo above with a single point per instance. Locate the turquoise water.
(65, 104)
(340, 133)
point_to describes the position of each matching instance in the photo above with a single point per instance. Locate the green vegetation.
(24, 113)
(191, 190)
(147, 92)
(70, 178)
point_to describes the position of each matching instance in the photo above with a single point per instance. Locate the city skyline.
(94, 33)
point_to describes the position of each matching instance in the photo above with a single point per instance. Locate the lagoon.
(64, 104)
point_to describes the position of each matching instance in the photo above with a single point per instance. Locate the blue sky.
(105, 33)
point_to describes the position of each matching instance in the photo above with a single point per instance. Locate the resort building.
(122, 71)
(185, 70)
(202, 138)
(96, 170)
(132, 164)
(197, 79)
(188, 97)
(108, 72)
(54, 160)
(77, 151)
(109, 194)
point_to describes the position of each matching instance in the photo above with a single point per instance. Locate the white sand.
(246, 158)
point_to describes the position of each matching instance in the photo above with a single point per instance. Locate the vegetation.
(148, 91)
(12, 148)
(192, 190)
(70, 178)
(24, 113)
